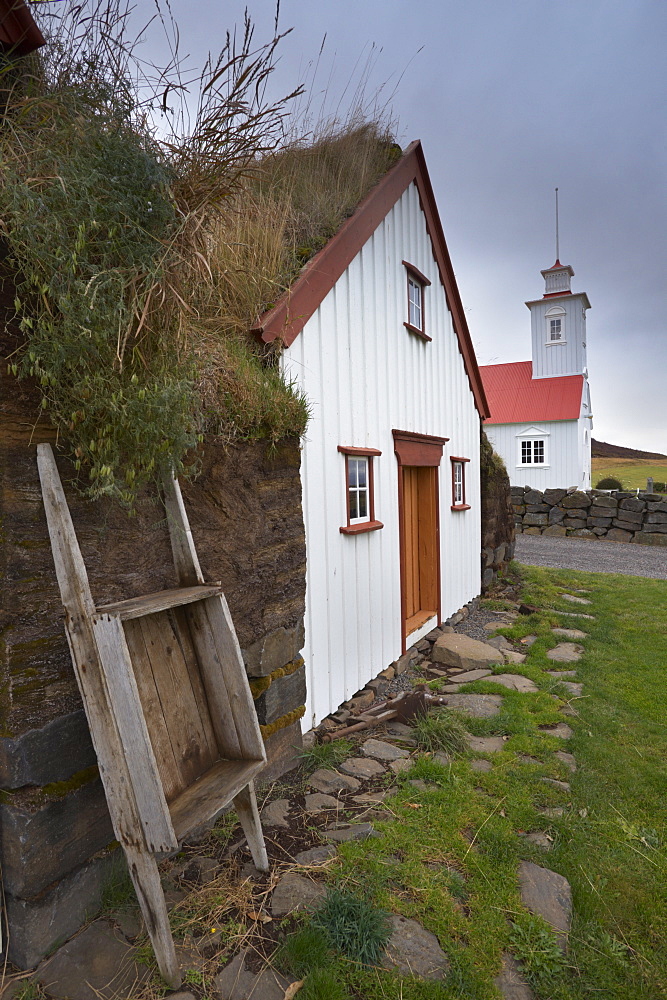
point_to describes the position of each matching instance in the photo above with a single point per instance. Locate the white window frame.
(556, 313)
(354, 464)
(417, 284)
(356, 458)
(459, 483)
(533, 436)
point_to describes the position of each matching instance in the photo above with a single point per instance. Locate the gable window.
(533, 452)
(417, 284)
(359, 490)
(459, 484)
(555, 328)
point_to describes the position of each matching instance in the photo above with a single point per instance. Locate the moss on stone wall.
(497, 513)
(283, 722)
(262, 684)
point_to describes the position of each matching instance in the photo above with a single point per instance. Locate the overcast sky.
(511, 100)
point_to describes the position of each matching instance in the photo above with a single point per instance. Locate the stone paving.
(101, 962)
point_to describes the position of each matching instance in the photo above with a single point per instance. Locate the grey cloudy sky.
(511, 100)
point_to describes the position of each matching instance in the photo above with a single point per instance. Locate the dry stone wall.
(497, 520)
(616, 516)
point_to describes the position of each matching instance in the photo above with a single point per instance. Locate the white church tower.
(558, 326)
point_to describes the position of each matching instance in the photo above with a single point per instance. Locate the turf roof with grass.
(143, 256)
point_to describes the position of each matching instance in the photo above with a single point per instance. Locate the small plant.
(324, 984)
(28, 991)
(304, 951)
(326, 755)
(535, 945)
(609, 483)
(353, 926)
(441, 731)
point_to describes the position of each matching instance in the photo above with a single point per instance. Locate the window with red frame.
(459, 484)
(359, 490)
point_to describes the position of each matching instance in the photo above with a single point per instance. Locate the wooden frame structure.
(168, 704)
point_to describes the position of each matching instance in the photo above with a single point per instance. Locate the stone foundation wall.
(497, 515)
(246, 518)
(617, 516)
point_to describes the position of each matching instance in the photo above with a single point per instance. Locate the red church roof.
(516, 398)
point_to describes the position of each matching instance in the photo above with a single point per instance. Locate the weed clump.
(326, 755)
(609, 483)
(535, 945)
(353, 926)
(441, 731)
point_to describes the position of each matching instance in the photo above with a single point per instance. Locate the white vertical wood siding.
(564, 466)
(364, 374)
(566, 357)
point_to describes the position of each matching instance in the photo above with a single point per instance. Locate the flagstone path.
(100, 963)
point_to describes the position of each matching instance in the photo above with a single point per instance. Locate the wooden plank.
(172, 780)
(78, 602)
(126, 704)
(137, 607)
(212, 671)
(172, 680)
(184, 637)
(245, 804)
(233, 677)
(199, 803)
(183, 549)
(146, 879)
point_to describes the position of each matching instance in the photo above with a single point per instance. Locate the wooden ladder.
(168, 704)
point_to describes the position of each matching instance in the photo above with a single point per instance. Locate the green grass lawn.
(631, 473)
(449, 857)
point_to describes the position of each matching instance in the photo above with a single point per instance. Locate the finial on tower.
(557, 239)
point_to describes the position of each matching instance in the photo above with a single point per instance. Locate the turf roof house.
(541, 420)
(374, 333)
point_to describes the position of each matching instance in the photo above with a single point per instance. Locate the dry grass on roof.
(299, 199)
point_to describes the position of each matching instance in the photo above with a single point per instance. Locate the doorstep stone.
(235, 982)
(382, 751)
(324, 780)
(97, 964)
(549, 895)
(295, 892)
(362, 767)
(510, 982)
(275, 813)
(319, 802)
(414, 951)
(570, 633)
(479, 706)
(458, 650)
(565, 652)
(485, 744)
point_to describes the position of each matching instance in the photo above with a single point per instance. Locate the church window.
(533, 452)
(555, 329)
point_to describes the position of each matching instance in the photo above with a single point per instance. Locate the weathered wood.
(140, 759)
(170, 774)
(183, 549)
(245, 804)
(232, 676)
(194, 744)
(137, 607)
(146, 879)
(78, 602)
(199, 803)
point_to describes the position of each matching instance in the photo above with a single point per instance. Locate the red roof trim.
(517, 398)
(18, 32)
(291, 313)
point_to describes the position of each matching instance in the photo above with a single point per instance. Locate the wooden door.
(420, 556)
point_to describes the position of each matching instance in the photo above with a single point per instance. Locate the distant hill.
(600, 449)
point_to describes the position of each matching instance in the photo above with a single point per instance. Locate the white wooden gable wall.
(364, 374)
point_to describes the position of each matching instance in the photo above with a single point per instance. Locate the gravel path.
(592, 557)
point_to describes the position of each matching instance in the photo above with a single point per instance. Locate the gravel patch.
(597, 557)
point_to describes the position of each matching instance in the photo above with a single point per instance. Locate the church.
(541, 420)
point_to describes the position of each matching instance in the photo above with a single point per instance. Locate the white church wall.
(562, 453)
